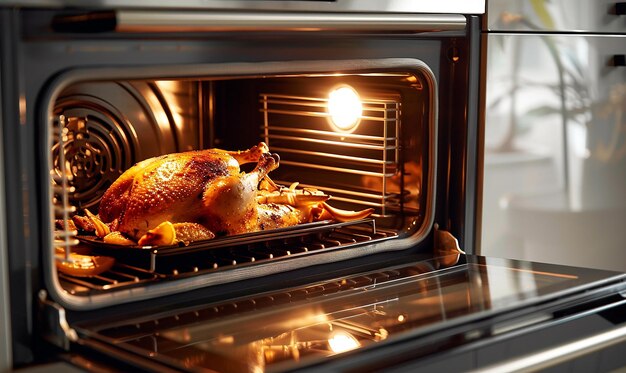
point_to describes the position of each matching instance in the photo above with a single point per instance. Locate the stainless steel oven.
(251, 186)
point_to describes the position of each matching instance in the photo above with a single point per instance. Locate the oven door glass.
(300, 326)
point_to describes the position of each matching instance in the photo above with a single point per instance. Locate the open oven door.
(449, 313)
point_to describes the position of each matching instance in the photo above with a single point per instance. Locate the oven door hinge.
(447, 250)
(56, 329)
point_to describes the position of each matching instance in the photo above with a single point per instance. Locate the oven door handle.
(560, 354)
(137, 21)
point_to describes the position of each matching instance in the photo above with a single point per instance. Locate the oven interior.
(381, 160)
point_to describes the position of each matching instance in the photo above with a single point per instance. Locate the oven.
(251, 186)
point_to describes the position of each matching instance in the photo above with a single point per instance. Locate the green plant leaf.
(539, 6)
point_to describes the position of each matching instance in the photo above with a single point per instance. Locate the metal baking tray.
(226, 251)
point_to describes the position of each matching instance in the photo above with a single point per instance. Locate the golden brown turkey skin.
(275, 215)
(229, 204)
(191, 187)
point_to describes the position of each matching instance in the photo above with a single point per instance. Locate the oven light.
(342, 341)
(345, 108)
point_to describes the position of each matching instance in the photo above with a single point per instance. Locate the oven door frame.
(260, 69)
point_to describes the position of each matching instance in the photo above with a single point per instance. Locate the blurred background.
(555, 132)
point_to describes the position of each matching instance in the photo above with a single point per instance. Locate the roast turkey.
(200, 194)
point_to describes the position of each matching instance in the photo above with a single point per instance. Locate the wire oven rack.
(137, 266)
(298, 128)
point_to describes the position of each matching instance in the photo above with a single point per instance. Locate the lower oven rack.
(119, 276)
(137, 267)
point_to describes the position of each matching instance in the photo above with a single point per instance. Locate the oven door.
(432, 314)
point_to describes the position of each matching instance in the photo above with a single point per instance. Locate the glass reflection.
(364, 310)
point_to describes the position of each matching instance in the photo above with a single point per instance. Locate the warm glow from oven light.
(342, 342)
(345, 108)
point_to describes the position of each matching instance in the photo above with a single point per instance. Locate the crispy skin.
(273, 215)
(276, 215)
(166, 188)
(229, 203)
(204, 187)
